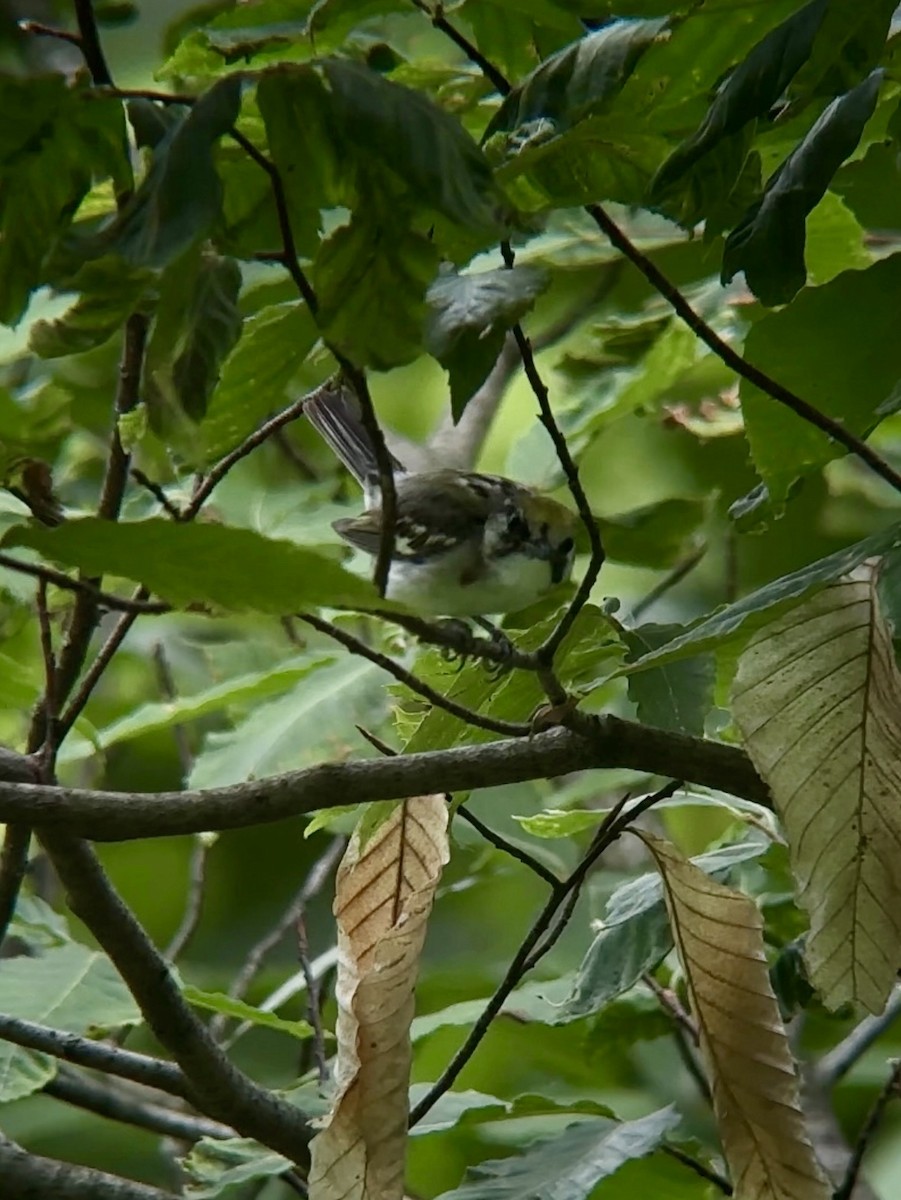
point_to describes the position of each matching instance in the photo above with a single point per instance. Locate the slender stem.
(314, 1013)
(500, 843)
(870, 1126)
(833, 1066)
(85, 587)
(13, 868)
(718, 1181)
(668, 582)
(98, 666)
(413, 682)
(156, 491)
(89, 43)
(190, 920)
(488, 69)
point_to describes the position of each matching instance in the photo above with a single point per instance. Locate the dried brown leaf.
(383, 898)
(817, 697)
(719, 936)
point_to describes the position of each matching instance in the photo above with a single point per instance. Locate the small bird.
(465, 544)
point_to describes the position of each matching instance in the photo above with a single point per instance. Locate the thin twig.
(89, 43)
(671, 1005)
(112, 491)
(868, 1132)
(106, 1099)
(718, 1181)
(98, 666)
(193, 911)
(500, 843)
(97, 1056)
(413, 682)
(85, 587)
(156, 491)
(668, 582)
(314, 1013)
(316, 878)
(472, 52)
(526, 958)
(833, 1066)
(39, 29)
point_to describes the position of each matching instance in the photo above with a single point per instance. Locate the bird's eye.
(567, 546)
(517, 526)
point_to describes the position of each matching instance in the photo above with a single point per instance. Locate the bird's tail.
(334, 413)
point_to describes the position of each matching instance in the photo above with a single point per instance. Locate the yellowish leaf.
(817, 697)
(383, 899)
(753, 1081)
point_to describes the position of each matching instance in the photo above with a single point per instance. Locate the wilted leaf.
(719, 937)
(818, 697)
(634, 934)
(383, 898)
(234, 569)
(468, 320)
(69, 987)
(570, 1166)
(768, 243)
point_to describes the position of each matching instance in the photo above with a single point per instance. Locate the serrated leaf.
(567, 1167)
(634, 934)
(197, 325)
(370, 278)
(218, 1002)
(737, 621)
(383, 898)
(768, 243)
(233, 569)
(69, 987)
(678, 695)
(817, 698)
(181, 196)
(468, 320)
(719, 936)
(749, 92)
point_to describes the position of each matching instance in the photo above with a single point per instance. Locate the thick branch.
(29, 1177)
(120, 816)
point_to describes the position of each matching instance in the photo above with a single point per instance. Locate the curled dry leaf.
(753, 1081)
(818, 700)
(383, 898)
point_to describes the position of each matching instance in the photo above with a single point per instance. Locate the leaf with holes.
(818, 697)
(719, 936)
(383, 898)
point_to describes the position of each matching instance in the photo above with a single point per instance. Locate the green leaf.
(657, 535)
(218, 1002)
(55, 142)
(662, 1176)
(578, 1159)
(233, 569)
(370, 278)
(848, 46)
(835, 346)
(69, 987)
(198, 323)
(255, 376)
(468, 320)
(315, 717)
(768, 243)
(560, 823)
(676, 696)
(180, 198)
(635, 935)
(578, 80)
(749, 92)
(736, 622)
(38, 925)
(213, 1167)
(108, 294)
(156, 715)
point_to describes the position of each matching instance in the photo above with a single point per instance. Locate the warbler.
(465, 544)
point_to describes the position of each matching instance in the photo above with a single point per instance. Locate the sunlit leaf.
(227, 1006)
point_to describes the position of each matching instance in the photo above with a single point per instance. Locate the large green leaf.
(768, 243)
(734, 622)
(848, 46)
(370, 278)
(676, 696)
(835, 346)
(468, 320)
(749, 92)
(69, 987)
(197, 564)
(254, 378)
(180, 198)
(656, 535)
(570, 1166)
(635, 933)
(109, 293)
(55, 141)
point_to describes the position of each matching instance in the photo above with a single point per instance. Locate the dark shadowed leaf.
(109, 292)
(749, 92)
(657, 535)
(835, 345)
(677, 696)
(848, 46)
(768, 243)
(233, 569)
(469, 316)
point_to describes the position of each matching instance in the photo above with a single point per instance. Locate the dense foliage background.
(182, 261)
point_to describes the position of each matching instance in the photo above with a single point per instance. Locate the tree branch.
(30, 1177)
(217, 1087)
(612, 742)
